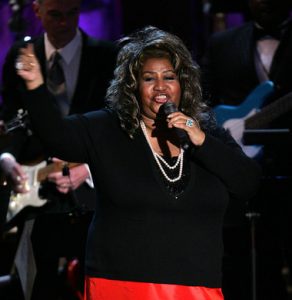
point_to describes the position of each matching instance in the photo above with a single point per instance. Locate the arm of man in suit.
(71, 181)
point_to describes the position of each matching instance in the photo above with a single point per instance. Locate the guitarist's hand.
(64, 184)
(15, 174)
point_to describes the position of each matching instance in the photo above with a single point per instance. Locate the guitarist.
(60, 227)
(237, 61)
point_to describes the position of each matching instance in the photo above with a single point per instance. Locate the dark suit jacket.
(229, 75)
(96, 70)
(229, 72)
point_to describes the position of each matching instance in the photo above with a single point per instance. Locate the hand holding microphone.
(186, 129)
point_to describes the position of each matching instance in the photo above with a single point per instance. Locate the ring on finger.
(189, 122)
(66, 185)
(19, 65)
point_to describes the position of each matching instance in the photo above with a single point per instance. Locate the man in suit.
(234, 64)
(60, 226)
(237, 61)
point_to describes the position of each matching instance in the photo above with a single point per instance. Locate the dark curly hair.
(151, 42)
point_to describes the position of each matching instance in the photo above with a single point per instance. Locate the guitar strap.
(24, 260)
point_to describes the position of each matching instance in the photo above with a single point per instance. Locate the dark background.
(110, 19)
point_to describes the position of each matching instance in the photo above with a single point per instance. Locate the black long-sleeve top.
(140, 232)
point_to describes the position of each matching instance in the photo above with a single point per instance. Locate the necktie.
(57, 85)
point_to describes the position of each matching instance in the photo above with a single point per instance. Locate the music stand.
(263, 137)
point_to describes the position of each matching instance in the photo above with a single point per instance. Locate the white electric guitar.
(36, 174)
(19, 121)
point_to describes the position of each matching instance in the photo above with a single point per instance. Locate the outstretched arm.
(64, 138)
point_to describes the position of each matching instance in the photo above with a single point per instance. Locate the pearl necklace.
(159, 159)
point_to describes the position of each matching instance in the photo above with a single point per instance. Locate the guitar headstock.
(19, 121)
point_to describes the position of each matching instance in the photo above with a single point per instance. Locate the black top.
(140, 232)
(97, 63)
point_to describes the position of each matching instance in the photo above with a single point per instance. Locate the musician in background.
(237, 61)
(4, 190)
(77, 69)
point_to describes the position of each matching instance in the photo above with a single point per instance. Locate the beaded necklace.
(161, 161)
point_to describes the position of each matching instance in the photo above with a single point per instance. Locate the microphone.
(166, 109)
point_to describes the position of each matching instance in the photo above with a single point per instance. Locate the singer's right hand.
(180, 120)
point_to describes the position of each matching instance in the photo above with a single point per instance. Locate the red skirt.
(105, 289)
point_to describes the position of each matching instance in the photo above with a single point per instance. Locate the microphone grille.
(168, 108)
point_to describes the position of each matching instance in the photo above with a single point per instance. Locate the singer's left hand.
(191, 126)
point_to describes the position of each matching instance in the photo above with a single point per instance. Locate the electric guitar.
(36, 175)
(235, 118)
(19, 121)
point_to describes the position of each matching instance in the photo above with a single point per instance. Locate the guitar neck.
(53, 167)
(270, 113)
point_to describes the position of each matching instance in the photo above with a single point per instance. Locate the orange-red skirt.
(105, 289)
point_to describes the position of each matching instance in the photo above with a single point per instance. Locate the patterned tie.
(57, 85)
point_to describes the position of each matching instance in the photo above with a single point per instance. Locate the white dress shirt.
(71, 55)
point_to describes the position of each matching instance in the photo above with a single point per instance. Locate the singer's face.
(158, 83)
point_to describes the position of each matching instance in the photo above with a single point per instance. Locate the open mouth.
(161, 98)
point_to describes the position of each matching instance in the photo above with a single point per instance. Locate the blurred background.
(192, 20)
